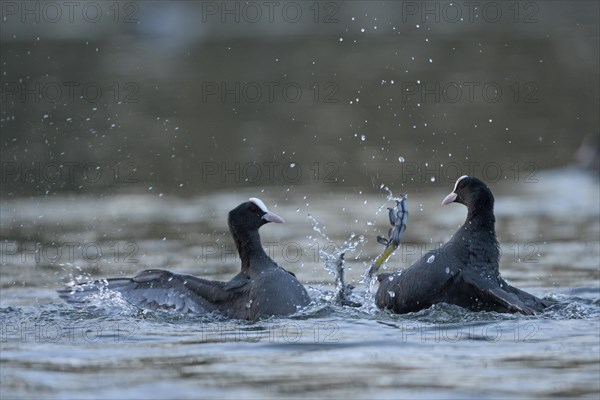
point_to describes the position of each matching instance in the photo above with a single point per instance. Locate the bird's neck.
(481, 222)
(477, 238)
(250, 249)
(479, 230)
(480, 217)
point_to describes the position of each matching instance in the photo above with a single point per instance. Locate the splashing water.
(367, 275)
(332, 256)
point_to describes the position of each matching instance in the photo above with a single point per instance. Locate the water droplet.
(431, 259)
(401, 159)
(447, 270)
(391, 294)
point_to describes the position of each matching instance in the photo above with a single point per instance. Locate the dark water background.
(126, 136)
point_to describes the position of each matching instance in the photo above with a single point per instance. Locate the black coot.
(261, 289)
(463, 271)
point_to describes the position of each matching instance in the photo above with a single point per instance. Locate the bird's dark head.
(250, 216)
(471, 192)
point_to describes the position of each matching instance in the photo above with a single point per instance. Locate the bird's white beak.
(449, 199)
(272, 217)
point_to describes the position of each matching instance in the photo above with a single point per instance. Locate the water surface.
(55, 350)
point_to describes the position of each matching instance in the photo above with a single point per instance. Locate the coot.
(463, 271)
(261, 289)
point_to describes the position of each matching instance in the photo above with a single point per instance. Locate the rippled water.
(143, 177)
(549, 234)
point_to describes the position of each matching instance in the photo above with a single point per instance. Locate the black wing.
(529, 299)
(491, 296)
(158, 289)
